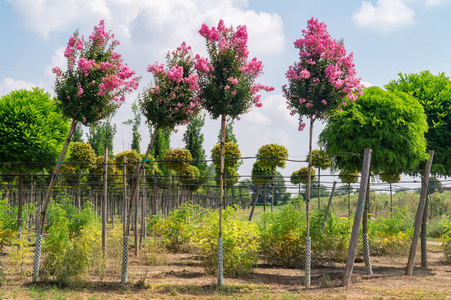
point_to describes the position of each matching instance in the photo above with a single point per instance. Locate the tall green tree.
(434, 94)
(194, 140)
(135, 122)
(78, 133)
(32, 133)
(100, 136)
(392, 124)
(160, 145)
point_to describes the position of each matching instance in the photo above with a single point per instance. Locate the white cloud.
(366, 83)
(9, 84)
(143, 22)
(436, 2)
(386, 15)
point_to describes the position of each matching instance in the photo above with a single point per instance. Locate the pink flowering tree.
(227, 85)
(323, 80)
(92, 88)
(171, 100)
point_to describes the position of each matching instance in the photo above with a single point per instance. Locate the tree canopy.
(434, 93)
(392, 124)
(32, 130)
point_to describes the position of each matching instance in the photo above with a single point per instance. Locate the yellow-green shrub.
(240, 243)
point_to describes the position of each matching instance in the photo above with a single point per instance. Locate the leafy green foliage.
(177, 159)
(272, 156)
(194, 140)
(135, 122)
(434, 94)
(446, 237)
(73, 244)
(391, 236)
(19, 257)
(390, 177)
(261, 175)
(82, 155)
(349, 177)
(301, 175)
(240, 243)
(232, 157)
(100, 136)
(392, 124)
(320, 160)
(282, 237)
(32, 130)
(176, 230)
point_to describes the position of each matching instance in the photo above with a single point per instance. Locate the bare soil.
(183, 277)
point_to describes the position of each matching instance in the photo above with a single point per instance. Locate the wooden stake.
(358, 217)
(419, 215)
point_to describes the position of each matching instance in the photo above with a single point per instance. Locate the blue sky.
(386, 37)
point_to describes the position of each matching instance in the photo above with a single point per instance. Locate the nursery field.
(162, 274)
(182, 277)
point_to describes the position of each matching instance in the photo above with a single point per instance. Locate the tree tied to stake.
(323, 80)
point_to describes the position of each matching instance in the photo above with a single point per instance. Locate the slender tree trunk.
(104, 199)
(138, 174)
(254, 203)
(46, 202)
(307, 207)
(221, 195)
(137, 213)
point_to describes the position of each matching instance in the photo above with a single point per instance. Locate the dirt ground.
(182, 277)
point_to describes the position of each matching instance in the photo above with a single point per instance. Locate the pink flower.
(305, 74)
(301, 126)
(324, 102)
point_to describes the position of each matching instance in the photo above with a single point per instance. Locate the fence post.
(420, 211)
(358, 217)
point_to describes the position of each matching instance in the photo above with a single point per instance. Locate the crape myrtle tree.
(32, 132)
(434, 94)
(323, 80)
(227, 84)
(91, 89)
(172, 98)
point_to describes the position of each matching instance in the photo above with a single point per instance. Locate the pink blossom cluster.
(224, 43)
(116, 77)
(171, 89)
(99, 36)
(320, 54)
(317, 45)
